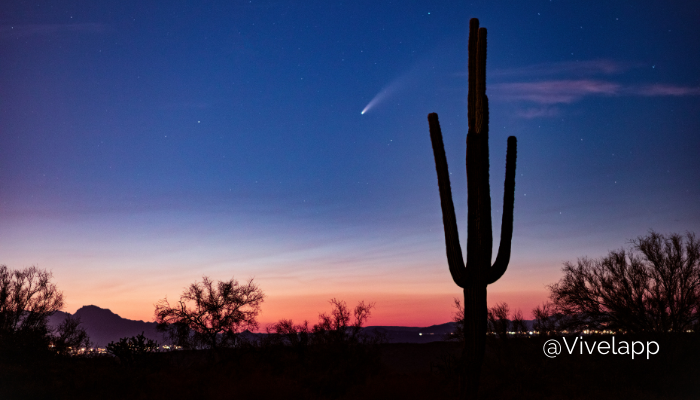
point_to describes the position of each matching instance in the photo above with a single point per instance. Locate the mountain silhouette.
(405, 334)
(103, 326)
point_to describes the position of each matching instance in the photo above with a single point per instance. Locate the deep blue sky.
(145, 145)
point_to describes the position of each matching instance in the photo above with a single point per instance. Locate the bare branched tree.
(336, 327)
(546, 319)
(288, 333)
(458, 319)
(211, 315)
(518, 323)
(27, 299)
(130, 350)
(653, 287)
(498, 322)
(69, 337)
(340, 327)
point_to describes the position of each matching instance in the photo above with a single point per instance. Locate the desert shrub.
(132, 350)
(332, 356)
(652, 287)
(69, 338)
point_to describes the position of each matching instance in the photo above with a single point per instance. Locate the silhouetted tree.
(210, 315)
(130, 350)
(285, 332)
(498, 320)
(517, 323)
(478, 271)
(342, 355)
(337, 328)
(652, 287)
(458, 319)
(546, 319)
(27, 299)
(69, 337)
(334, 328)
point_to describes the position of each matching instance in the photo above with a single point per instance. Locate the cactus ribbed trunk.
(478, 272)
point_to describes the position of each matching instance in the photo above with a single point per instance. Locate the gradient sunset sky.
(146, 144)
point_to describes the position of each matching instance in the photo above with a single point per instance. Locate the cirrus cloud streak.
(553, 92)
(568, 91)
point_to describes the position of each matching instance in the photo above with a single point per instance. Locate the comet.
(382, 95)
(407, 79)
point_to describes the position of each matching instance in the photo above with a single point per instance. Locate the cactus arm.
(452, 247)
(501, 264)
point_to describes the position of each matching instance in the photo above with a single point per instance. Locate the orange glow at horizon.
(391, 309)
(409, 284)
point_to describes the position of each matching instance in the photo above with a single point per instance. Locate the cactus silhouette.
(478, 271)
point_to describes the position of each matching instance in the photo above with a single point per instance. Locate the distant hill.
(434, 333)
(403, 334)
(104, 326)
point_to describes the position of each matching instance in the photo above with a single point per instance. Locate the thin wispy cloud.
(537, 112)
(569, 91)
(552, 92)
(664, 90)
(568, 68)
(568, 82)
(21, 31)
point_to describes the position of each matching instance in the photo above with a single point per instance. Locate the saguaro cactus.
(478, 271)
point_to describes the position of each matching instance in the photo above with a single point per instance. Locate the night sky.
(146, 144)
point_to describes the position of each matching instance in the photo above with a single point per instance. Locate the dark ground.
(513, 369)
